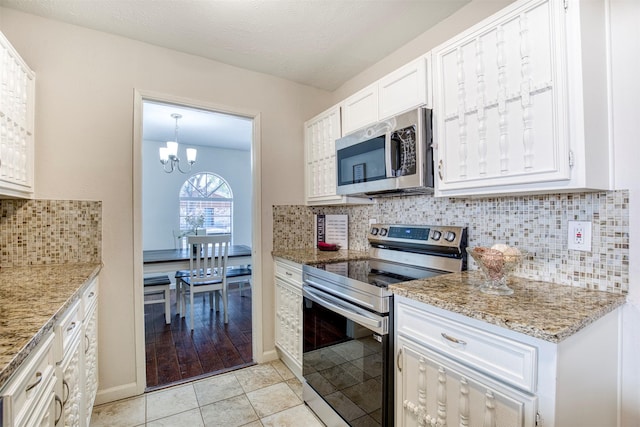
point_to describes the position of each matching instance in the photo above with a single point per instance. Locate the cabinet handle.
(440, 170)
(38, 381)
(71, 327)
(86, 337)
(288, 274)
(65, 385)
(399, 360)
(452, 339)
(58, 401)
(91, 295)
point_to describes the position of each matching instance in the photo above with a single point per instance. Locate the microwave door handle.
(388, 155)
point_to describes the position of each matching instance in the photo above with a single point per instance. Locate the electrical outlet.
(579, 238)
(373, 221)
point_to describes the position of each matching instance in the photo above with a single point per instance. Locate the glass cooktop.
(378, 273)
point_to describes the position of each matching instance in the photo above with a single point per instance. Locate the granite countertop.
(544, 310)
(312, 256)
(31, 301)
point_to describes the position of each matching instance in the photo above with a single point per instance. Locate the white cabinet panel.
(288, 308)
(432, 390)
(17, 109)
(360, 109)
(404, 89)
(499, 117)
(508, 105)
(321, 133)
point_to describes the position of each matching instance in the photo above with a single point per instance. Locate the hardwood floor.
(174, 354)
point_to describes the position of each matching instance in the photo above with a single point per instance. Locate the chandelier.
(169, 154)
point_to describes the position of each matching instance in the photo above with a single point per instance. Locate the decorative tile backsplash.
(36, 232)
(535, 223)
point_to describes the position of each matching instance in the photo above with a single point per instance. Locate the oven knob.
(383, 231)
(374, 231)
(436, 235)
(449, 236)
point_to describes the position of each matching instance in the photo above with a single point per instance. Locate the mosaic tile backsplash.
(537, 224)
(35, 232)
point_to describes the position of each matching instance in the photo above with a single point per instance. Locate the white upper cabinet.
(360, 109)
(320, 137)
(404, 89)
(399, 91)
(17, 106)
(508, 103)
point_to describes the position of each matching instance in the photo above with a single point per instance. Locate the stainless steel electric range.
(348, 315)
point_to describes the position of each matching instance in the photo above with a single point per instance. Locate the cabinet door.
(404, 89)
(499, 112)
(433, 390)
(90, 360)
(360, 109)
(321, 133)
(289, 323)
(71, 375)
(17, 106)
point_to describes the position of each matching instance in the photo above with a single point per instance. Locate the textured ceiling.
(321, 43)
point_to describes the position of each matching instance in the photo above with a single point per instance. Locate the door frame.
(256, 230)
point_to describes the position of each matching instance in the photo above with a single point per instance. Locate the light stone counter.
(312, 256)
(31, 301)
(542, 310)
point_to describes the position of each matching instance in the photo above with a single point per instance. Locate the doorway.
(172, 353)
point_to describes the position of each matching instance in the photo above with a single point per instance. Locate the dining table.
(166, 260)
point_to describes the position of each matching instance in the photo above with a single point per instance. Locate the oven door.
(346, 361)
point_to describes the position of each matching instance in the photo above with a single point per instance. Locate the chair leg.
(191, 307)
(225, 304)
(167, 305)
(210, 300)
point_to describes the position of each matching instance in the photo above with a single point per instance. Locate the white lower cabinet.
(288, 304)
(29, 398)
(69, 366)
(438, 391)
(90, 349)
(455, 370)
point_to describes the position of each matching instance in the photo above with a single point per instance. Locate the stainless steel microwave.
(391, 157)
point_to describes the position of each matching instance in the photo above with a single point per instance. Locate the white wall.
(160, 190)
(85, 83)
(625, 40)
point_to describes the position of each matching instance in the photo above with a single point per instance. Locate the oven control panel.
(425, 235)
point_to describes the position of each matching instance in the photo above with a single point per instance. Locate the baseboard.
(268, 356)
(116, 393)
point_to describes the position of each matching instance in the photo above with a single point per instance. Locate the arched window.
(206, 201)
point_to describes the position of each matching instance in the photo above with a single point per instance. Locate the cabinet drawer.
(505, 359)
(90, 297)
(289, 271)
(25, 390)
(67, 329)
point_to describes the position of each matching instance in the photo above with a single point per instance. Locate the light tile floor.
(266, 395)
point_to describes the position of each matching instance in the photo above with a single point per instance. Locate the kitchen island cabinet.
(547, 355)
(512, 113)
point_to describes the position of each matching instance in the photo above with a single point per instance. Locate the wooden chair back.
(208, 258)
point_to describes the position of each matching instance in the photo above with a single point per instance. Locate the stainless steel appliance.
(392, 157)
(348, 316)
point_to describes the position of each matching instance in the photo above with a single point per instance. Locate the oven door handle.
(377, 324)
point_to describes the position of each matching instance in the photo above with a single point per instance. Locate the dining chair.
(159, 285)
(206, 274)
